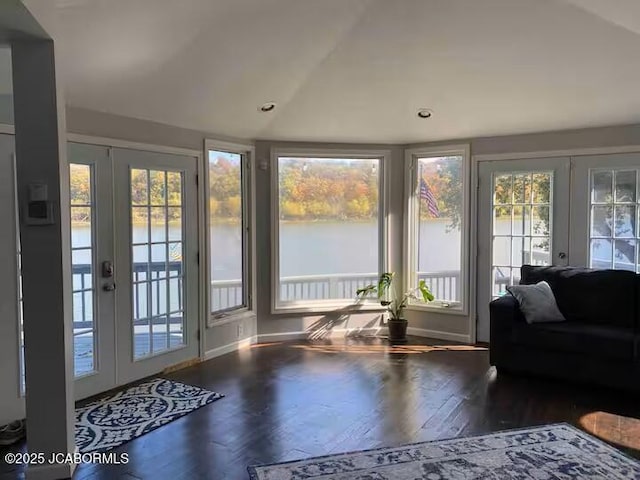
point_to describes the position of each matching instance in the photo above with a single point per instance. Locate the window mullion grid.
(166, 260)
(149, 270)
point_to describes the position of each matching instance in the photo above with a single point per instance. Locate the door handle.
(562, 255)
(109, 287)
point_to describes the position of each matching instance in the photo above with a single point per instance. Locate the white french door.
(92, 242)
(135, 270)
(523, 218)
(156, 261)
(11, 400)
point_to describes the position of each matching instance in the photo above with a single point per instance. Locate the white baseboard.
(232, 347)
(333, 333)
(452, 337)
(282, 337)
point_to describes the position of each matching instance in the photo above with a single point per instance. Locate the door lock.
(107, 269)
(562, 255)
(109, 287)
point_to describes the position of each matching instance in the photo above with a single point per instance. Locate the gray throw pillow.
(537, 302)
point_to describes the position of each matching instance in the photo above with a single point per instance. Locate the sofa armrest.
(504, 313)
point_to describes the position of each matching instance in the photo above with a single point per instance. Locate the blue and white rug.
(118, 418)
(550, 452)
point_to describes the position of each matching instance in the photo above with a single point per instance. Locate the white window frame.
(321, 306)
(411, 232)
(248, 310)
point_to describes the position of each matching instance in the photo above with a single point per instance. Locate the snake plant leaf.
(427, 296)
(364, 291)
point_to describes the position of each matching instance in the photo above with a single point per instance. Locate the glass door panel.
(521, 225)
(614, 208)
(157, 271)
(82, 268)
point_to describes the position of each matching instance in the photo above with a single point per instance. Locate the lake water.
(307, 248)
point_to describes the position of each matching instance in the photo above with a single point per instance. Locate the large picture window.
(437, 247)
(228, 206)
(328, 228)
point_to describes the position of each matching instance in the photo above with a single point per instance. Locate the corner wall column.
(46, 265)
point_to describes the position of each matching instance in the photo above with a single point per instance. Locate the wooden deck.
(83, 351)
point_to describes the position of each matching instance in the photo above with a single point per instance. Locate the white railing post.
(333, 287)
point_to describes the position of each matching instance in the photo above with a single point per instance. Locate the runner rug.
(557, 451)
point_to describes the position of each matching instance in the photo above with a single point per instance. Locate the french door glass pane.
(82, 258)
(156, 244)
(614, 232)
(521, 225)
(226, 223)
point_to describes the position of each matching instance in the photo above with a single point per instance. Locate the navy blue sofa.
(598, 344)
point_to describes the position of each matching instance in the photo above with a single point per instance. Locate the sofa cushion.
(537, 302)
(598, 341)
(605, 297)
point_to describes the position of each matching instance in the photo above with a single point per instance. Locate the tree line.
(309, 190)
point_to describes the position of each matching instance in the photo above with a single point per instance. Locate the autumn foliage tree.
(328, 189)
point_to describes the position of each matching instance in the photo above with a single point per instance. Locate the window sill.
(439, 307)
(322, 308)
(230, 317)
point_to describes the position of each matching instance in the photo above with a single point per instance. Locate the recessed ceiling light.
(425, 113)
(267, 107)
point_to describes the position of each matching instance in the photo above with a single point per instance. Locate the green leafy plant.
(388, 296)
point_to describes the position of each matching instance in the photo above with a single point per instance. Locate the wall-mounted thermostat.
(39, 210)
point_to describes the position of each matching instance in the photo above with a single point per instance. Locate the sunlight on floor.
(261, 345)
(392, 349)
(622, 431)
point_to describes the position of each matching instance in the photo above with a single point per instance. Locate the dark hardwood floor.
(286, 401)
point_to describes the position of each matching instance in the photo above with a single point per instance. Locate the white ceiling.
(356, 70)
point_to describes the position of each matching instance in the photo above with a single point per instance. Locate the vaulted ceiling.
(355, 70)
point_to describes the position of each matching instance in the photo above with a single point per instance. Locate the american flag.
(427, 195)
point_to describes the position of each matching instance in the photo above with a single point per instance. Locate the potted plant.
(388, 296)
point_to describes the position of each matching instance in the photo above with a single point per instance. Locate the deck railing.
(225, 294)
(142, 272)
(228, 293)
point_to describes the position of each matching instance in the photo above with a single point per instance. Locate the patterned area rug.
(114, 420)
(557, 451)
